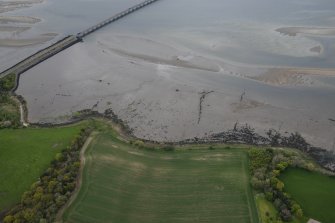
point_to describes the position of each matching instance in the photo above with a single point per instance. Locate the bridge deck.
(114, 18)
(48, 52)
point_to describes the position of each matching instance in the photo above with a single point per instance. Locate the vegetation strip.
(9, 112)
(315, 193)
(189, 183)
(25, 154)
(55, 186)
(266, 166)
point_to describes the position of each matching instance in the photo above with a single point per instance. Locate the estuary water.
(187, 68)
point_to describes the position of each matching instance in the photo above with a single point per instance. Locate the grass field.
(313, 191)
(267, 212)
(125, 184)
(25, 154)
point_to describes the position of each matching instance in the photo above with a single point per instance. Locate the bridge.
(68, 41)
(114, 18)
(39, 57)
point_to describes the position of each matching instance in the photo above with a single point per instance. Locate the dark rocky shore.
(240, 134)
(245, 134)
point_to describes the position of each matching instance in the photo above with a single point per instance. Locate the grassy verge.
(123, 183)
(267, 212)
(313, 191)
(25, 154)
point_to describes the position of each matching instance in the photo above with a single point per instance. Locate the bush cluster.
(9, 114)
(266, 165)
(7, 83)
(54, 187)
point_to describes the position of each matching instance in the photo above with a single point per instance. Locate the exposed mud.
(150, 68)
(18, 19)
(27, 42)
(316, 31)
(240, 134)
(7, 6)
(161, 102)
(246, 135)
(294, 76)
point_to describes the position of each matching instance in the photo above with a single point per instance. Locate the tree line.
(266, 165)
(9, 109)
(53, 189)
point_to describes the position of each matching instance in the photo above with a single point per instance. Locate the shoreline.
(239, 135)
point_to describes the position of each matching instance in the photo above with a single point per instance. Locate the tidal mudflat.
(27, 26)
(183, 69)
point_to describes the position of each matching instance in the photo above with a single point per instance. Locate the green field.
(25, 154)
(267, 212)
(313, 191)
(125, 184)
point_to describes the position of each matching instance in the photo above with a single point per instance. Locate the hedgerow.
(265, 166)
(54, 187)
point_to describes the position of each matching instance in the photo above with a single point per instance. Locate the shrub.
(168, 148)
(280, 185)
(310, 167)
(260, 158)
(139, 143)
(281, 166)
(9, 219)
(256, 183)
(285, 214)
(269, 196)
(7, 83)
(266, 165)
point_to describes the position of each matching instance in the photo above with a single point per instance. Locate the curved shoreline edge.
(240, 134)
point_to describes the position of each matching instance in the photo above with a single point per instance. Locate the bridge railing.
(114, 18)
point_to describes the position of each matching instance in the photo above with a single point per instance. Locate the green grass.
(193, 184)
(267, 212)
(313, 191)
(25, 154)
